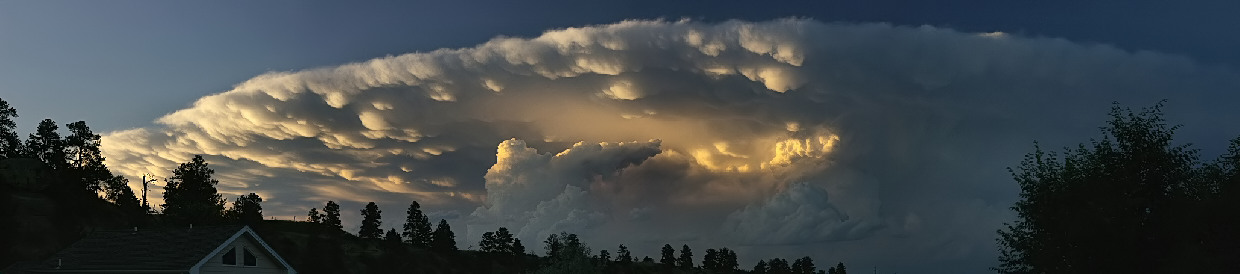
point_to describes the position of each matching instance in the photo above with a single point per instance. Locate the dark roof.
(146, 249)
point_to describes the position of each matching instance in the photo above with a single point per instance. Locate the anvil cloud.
(866, 143)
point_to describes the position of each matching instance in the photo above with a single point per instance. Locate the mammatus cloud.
(843, 140)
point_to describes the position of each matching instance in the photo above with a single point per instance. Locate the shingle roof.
(150, 249)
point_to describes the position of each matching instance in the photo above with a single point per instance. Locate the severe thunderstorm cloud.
(781, 137)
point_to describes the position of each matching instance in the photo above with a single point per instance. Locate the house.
(193, 250)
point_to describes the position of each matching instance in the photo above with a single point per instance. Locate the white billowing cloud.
(539, 194)
(904, 130)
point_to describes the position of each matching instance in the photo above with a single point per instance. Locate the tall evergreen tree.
(46, 145)
(604, 257)
(417, 229)
(804, 265)
(686, 258)
(83, 159)
(623, 255)
(517, 247)
(313, 216)
(443, 239)
(838, 269)
(371, 219)
(668, 256)
(247, 209)
(190, 195)
(10, 143)
(710, 261)
(331, 215)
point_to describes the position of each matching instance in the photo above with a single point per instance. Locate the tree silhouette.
(10, 143)
(331, 215)
(443, 240)
(371, 219)
(838, 269)
(83, 160)
(417, 228)
(778, 266)
(313, 216)
(1120, 205)
(623, 255)
(604, 257)
(567, 255)
(190, 195)
(804, 265)
(760, 268)
(392, 237)
(667, 256)
(46, 145)
(686, 258)
(247, 209)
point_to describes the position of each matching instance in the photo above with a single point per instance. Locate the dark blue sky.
(74, 60)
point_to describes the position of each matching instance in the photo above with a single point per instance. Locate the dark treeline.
(1129, 202)
(55, 189)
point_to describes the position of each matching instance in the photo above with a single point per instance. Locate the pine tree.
(10, 144)
(838, 269)
(247, 209)
(118, 192)
(517, 247)
(371, 219)
(190, 195)
(668, 258)
(778, 266)
(623, 256)
(804, 265)
(604, 257)
(443, 239)
(313, 216)
(83, 159)
(686, 258)
(46, 145)
(331, 215)
(417, 229)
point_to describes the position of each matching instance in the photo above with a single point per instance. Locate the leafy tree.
(1120, 205)
(710, 261)
(117, 191)
(668, 256)
(331, 215)
(760, 268)
(778, 266)
(567, 255)
(804, 265)
(10, 143)
(371, 219)
(500, 241)
(83, 160)
(720, 261)
(517, 247)
(647, 260)
(686, 258)
(313, 216)
(623, 255)
(838, 269)
(443, 240)
(247, 209)
(392, 237)
(417, 229)
(190, 195)
(46, 145)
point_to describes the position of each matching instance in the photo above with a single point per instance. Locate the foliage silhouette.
(1130, 202)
